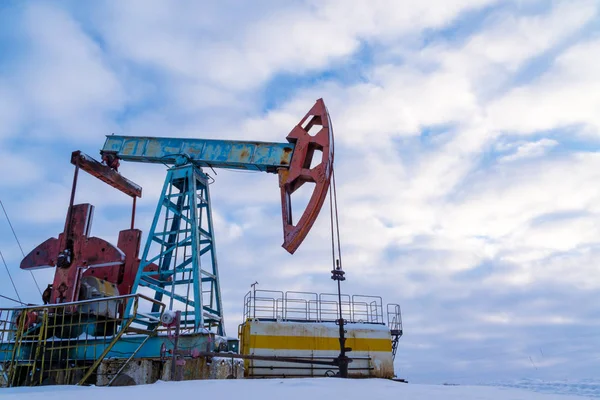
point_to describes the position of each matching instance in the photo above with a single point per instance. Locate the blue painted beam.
(254, 156)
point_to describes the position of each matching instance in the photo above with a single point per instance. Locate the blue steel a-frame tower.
(181, 243)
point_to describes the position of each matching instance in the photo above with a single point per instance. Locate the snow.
(293, 389)
(582, 387)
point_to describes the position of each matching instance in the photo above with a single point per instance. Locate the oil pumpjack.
(113, 317)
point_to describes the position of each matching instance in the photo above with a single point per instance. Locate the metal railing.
(394, 317)
(64, 343)
(314, 307)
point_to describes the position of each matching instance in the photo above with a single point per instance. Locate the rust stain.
(152, 147)
(285, 157)
(128, 148)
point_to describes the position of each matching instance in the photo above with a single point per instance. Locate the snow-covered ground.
(589, 388)
(306, 389)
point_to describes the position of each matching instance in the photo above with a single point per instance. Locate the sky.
(467, 140)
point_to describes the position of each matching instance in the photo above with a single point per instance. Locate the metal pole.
(174, 367)
(338, 275)
(65, 256)
(69, 238)
(133, 213)
(254, 299)
(343, 359)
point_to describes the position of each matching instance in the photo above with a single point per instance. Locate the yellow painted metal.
(107, 349)
(371, 348)
(317, 343)
(244, 336)
(105, 287)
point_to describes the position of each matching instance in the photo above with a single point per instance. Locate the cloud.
(511, 40)
(295, 38)
(23, 170)
(562, 97)
(10, 112)
(63, 82)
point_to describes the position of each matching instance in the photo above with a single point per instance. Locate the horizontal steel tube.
(247, 155)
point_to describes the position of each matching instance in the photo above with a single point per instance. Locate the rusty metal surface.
(249, 155)
(43, 256)
(77, 255)
(91, 256)
(86, 252)
(129, 243)
(299, 173)
(105, 174)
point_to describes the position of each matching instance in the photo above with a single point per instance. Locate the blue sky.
(467, 136)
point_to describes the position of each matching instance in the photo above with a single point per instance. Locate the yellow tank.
(371, 346)
(300, 324)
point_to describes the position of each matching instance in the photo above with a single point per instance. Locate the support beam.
(184, 251)
(105, 174)
(253, 156)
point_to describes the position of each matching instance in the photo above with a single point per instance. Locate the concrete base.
(146, 371)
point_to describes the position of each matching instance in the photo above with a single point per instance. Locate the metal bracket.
(106, 174)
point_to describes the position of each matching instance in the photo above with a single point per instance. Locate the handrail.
(394, 317)
(39, 338)
(318, 307)
(80, 302)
